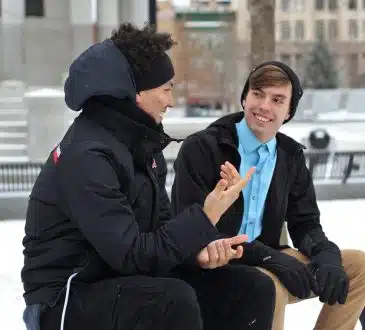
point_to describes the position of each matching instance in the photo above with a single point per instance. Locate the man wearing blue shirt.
(281, 189)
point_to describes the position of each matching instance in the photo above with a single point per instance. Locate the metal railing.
(18, 177)
(339, 167)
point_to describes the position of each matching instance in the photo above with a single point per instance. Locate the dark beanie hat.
(158, 73)
(297, 91)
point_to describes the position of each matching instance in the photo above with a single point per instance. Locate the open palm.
(223, 196)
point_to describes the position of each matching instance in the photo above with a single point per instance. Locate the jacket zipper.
(156, 195)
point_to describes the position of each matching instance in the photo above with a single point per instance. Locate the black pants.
(235, 297)
(231, 297)
(362, 319)
(126, 303)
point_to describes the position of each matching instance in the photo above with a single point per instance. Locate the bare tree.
(262, 13)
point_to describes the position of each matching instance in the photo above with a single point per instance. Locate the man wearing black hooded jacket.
(100, 242)
(281, 189)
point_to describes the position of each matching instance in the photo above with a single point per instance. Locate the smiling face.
(267, 102)
(156, 101)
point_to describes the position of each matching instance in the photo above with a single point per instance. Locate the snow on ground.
(343, 222)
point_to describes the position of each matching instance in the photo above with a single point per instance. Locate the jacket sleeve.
(192, 184)
(303, 216)
(165, 205)
(96, 202)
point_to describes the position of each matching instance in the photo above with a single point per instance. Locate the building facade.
(299, 23)
(39, 38)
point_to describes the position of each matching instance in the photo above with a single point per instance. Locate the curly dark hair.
(141, 46)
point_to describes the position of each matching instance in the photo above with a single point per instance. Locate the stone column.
(12, 40)
(81, 25)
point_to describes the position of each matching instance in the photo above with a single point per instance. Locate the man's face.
(266, 109)
(156, 101)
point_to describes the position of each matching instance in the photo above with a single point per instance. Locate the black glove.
(332, 280)
(293, 274)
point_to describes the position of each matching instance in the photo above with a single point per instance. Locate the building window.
(352, 4)
(332, 29)
(332, 5)
(353, 29)
(299, 63)
(299, 5)
(34, 8)
(353, 69)
(223, 2)
(319, 4)
(285, 58)
(319, 26)
(285, 30)
(197, 62)
(299, 30)
(285, 5)
(363, 4)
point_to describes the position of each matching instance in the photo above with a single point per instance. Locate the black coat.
(99, 206)
(291, 196)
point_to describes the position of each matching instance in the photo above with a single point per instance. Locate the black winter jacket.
(99, 206)
(291, 196)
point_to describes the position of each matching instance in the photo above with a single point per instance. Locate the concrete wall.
(39, 50)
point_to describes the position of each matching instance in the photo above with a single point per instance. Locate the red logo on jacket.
(56, 154)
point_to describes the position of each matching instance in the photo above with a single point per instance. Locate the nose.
(265, 104)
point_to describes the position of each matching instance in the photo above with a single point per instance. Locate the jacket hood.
(100, 70)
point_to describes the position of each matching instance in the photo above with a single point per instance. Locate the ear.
(243, 103)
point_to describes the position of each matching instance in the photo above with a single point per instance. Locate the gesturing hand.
(223, 196)
(218, 253)
(230, 174)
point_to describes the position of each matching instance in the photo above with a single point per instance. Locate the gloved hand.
(332, 280)
(293, 274)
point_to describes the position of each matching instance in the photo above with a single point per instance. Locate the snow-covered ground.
(343, 221)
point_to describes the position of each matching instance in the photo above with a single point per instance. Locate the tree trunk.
(262, 14)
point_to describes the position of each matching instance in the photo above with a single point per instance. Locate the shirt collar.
(271, 146)
(250, 142)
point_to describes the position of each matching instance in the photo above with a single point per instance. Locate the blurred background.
(219, 42)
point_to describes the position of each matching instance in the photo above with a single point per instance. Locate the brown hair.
(268, 76)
